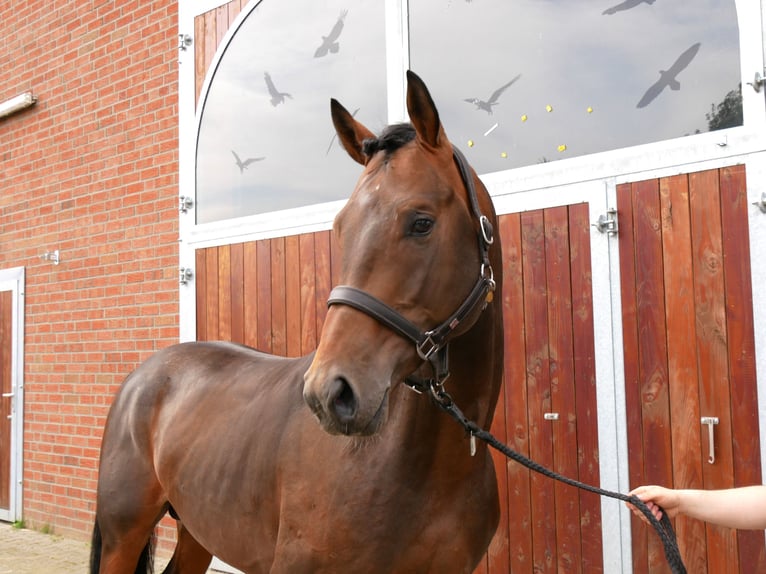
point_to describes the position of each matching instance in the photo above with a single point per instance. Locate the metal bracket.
(607, 222)
(762, 203)
(710, 422)
(184, 275)
(758, 81)
(185, 203)
(52, 256)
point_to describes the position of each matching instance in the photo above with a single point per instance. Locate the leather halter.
(432, 345)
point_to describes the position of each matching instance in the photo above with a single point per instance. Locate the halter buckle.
(427, 347)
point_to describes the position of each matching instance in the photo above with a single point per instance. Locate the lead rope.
(663, 527)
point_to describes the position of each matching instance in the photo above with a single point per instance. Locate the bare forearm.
(743, 508)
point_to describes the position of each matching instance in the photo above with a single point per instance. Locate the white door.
(11, 389)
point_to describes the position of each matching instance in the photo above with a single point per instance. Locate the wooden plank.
(712, 354)
(293, 295)
(516, 402)
(278, 298)
(211, 279)
(221, 23)
(682, 360)
(586, 402)
(323, 262)
(201, 296)
(561, 365)
(6, 375)
(263, 296)
(308, 293)
(497, 561)
(652, 347)
(250, 293)
(538, 390)
(237, 282)
(627, 250)
(741, 352)
(224, 292)
(211, 42)
(199, 57)
(235, 7)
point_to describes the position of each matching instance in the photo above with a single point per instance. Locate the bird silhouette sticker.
(626, 5)
(242, 165)
(330, 42)
(668, 77)
(492, 101)
(277, 97)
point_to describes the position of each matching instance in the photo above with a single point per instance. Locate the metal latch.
(607, 222)
(551, 416)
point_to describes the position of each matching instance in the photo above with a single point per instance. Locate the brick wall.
(91, 170)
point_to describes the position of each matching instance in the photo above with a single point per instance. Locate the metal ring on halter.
(490, 279)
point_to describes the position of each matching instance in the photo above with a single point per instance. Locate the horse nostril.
(342, 400)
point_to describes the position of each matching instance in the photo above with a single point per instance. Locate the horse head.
(408, 238)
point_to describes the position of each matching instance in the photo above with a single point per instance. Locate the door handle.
(710, 422)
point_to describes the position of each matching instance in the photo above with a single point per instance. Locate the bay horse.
(329, 462)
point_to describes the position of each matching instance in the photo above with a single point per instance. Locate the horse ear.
(423, 113)
(350, 132)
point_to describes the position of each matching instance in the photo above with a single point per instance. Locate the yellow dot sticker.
(549, 108)
(470, 143)
(589, 110)
(503, 154)
(562, 147)
(524, 118)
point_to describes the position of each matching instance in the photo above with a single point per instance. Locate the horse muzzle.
(340, 408)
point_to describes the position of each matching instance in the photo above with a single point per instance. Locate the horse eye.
(422, 226)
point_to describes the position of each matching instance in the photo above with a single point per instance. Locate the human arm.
(743, 508)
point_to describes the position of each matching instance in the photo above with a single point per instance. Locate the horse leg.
(189, 556)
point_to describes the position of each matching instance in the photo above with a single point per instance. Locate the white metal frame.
(593, 178)
(13, 280)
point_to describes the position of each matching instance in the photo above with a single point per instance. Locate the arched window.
(266, 140)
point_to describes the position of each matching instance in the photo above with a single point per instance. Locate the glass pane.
(266, 140)
(520, 82)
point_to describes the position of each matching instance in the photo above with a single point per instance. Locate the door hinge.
(184, 41)
(757, 83)
(607, 222)
(184, 275)
(185, 203)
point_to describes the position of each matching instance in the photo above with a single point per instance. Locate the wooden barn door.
(548, 405)
(689, 355)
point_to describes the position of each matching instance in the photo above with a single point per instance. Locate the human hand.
(655, 497)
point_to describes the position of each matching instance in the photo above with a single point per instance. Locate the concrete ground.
(30, 552)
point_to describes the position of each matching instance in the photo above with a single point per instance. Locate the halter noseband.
(432, 345)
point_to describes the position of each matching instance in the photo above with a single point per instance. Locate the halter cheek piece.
(432, 345)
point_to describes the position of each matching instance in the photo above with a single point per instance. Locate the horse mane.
(390, 139)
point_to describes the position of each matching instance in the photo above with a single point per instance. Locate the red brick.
(91, 170)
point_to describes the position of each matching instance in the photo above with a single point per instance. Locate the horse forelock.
(391, 139)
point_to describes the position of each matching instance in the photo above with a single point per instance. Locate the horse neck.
(476, 366)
